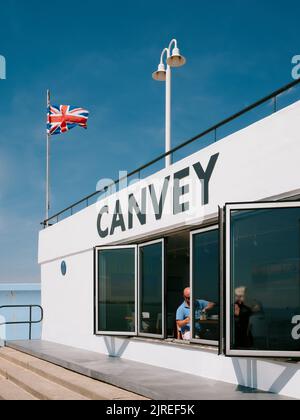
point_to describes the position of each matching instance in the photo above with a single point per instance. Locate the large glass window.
(178, 277)
(151, 282)
(116, 290)
(205, 285)
(263, 279)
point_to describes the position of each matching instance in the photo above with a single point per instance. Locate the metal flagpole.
(48, 166)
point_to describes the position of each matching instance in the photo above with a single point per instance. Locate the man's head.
(187, 295)
(240, 294)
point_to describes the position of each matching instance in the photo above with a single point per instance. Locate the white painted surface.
(258, 162)
(68, 305)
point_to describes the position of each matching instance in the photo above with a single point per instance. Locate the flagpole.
(48, 166)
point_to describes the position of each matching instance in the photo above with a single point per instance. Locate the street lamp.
(174, 59)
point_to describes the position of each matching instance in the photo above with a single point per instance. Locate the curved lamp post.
(163, 74)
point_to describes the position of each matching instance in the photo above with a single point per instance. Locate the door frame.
(143, 245)
(228, 209)
(214, 227)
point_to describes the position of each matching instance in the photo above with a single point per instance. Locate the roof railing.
(87, 200)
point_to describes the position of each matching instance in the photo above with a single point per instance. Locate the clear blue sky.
(100, 55)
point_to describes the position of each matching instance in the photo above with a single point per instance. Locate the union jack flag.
(63, 118)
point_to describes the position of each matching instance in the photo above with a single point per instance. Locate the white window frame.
(229, 208)
(115, 333)
(192, 234)
(142, 334)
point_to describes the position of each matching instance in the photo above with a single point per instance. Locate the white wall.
(68, 306)
(258, 162)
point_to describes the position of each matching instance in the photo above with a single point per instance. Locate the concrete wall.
(68, 305)
(258, 162)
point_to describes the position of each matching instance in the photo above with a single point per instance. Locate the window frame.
(228, 209)
(164, 303)
(222, 296)
(96, 293)
(214, 227)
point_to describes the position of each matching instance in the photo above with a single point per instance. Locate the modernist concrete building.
(225, 221)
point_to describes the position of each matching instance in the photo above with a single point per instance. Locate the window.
(177, 276)
(117, 284)
(152, 290)
(116, 290)
(205, 285)
(263, 279)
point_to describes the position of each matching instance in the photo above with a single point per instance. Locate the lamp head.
(176, 59)
(160, 74)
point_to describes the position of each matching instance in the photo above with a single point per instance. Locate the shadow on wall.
(246, 373)
(116, 346)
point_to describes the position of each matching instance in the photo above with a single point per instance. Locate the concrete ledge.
(150, 381)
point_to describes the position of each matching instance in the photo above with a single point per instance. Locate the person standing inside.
(183, 315)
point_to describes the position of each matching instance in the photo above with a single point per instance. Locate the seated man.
(184, 311)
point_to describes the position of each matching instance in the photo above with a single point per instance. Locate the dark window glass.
(178, 276)
(206, 285)
(116, 296)
(151, 289)
(265, 279)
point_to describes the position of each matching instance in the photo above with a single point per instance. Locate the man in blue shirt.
(183, 316)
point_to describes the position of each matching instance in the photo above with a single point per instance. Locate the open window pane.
(151, 309)
(263, 279)
(205, 285)
(116, 290)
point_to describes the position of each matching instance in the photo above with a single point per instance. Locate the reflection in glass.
(265, 278)
(206, 284)
(178, 276)
(151, 292)
(116, 299)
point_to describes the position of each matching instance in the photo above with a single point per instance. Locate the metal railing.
(274, 96)
(30, 322)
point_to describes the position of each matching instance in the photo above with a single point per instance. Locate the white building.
(225, 221)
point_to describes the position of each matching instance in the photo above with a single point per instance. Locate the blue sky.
(100, 55)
